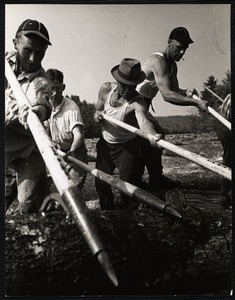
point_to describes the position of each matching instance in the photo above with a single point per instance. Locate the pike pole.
(202, 161)
(217, 115)
(214, 94)
(70, 194)
(125, 187)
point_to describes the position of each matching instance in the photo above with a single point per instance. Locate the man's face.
(57, 91)
(126, 90)
(177, 50)
(30, 52)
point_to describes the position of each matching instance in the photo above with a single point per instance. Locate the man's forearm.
(75, 146)
(178, 99)
(182, 92)
(78, 139)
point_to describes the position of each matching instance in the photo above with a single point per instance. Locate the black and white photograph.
(118, 154)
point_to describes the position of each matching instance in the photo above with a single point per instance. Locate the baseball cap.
(34, 27)
(181, 35)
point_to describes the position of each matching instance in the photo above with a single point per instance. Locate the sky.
(88, 40)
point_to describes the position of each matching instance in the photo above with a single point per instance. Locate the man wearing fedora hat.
(161, 75)
(118, 148)
(30, 42)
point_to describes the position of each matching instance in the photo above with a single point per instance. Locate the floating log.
(152, 254)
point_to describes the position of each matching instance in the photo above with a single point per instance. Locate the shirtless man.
(118, 148)
(161, 75)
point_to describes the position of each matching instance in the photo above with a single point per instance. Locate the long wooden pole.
(66, 187)
(202, 161)
(217, 115)
(214, 94)
(125, 187)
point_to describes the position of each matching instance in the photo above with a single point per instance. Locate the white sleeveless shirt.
(112, 133)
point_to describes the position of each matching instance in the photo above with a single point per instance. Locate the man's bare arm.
(102, 97)
(169, 87)
(145, 125)
(78, 138)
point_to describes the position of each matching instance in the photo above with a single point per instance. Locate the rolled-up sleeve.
(39, 92)
(75, 118)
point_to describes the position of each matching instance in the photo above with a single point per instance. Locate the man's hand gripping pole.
(70, 194)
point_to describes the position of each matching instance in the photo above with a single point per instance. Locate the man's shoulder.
(155, 59)
(70, 104)
(42, 74)
(108, 86)
(105, 89)
(138, 101)
(40, 77)
(156, 56)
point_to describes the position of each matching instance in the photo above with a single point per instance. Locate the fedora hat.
(128, 72)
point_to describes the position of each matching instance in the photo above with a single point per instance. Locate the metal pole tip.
(103, 258)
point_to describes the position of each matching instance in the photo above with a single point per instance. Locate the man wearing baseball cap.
(118, 148)
(30, 42)
(161, 75)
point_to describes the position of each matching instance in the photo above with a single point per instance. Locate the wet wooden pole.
(71, 196)
(202, 161)
(125, 187)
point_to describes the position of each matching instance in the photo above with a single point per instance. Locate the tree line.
(172, 124)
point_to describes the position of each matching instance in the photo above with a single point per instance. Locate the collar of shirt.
(57, 108)
(23, 75)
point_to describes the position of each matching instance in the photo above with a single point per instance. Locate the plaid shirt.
(37, 87)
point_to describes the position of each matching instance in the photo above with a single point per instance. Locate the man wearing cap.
(118, 148)
(161, 75)
(31, 42)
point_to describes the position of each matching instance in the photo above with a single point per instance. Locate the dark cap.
(34, 27)
(181, 35)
